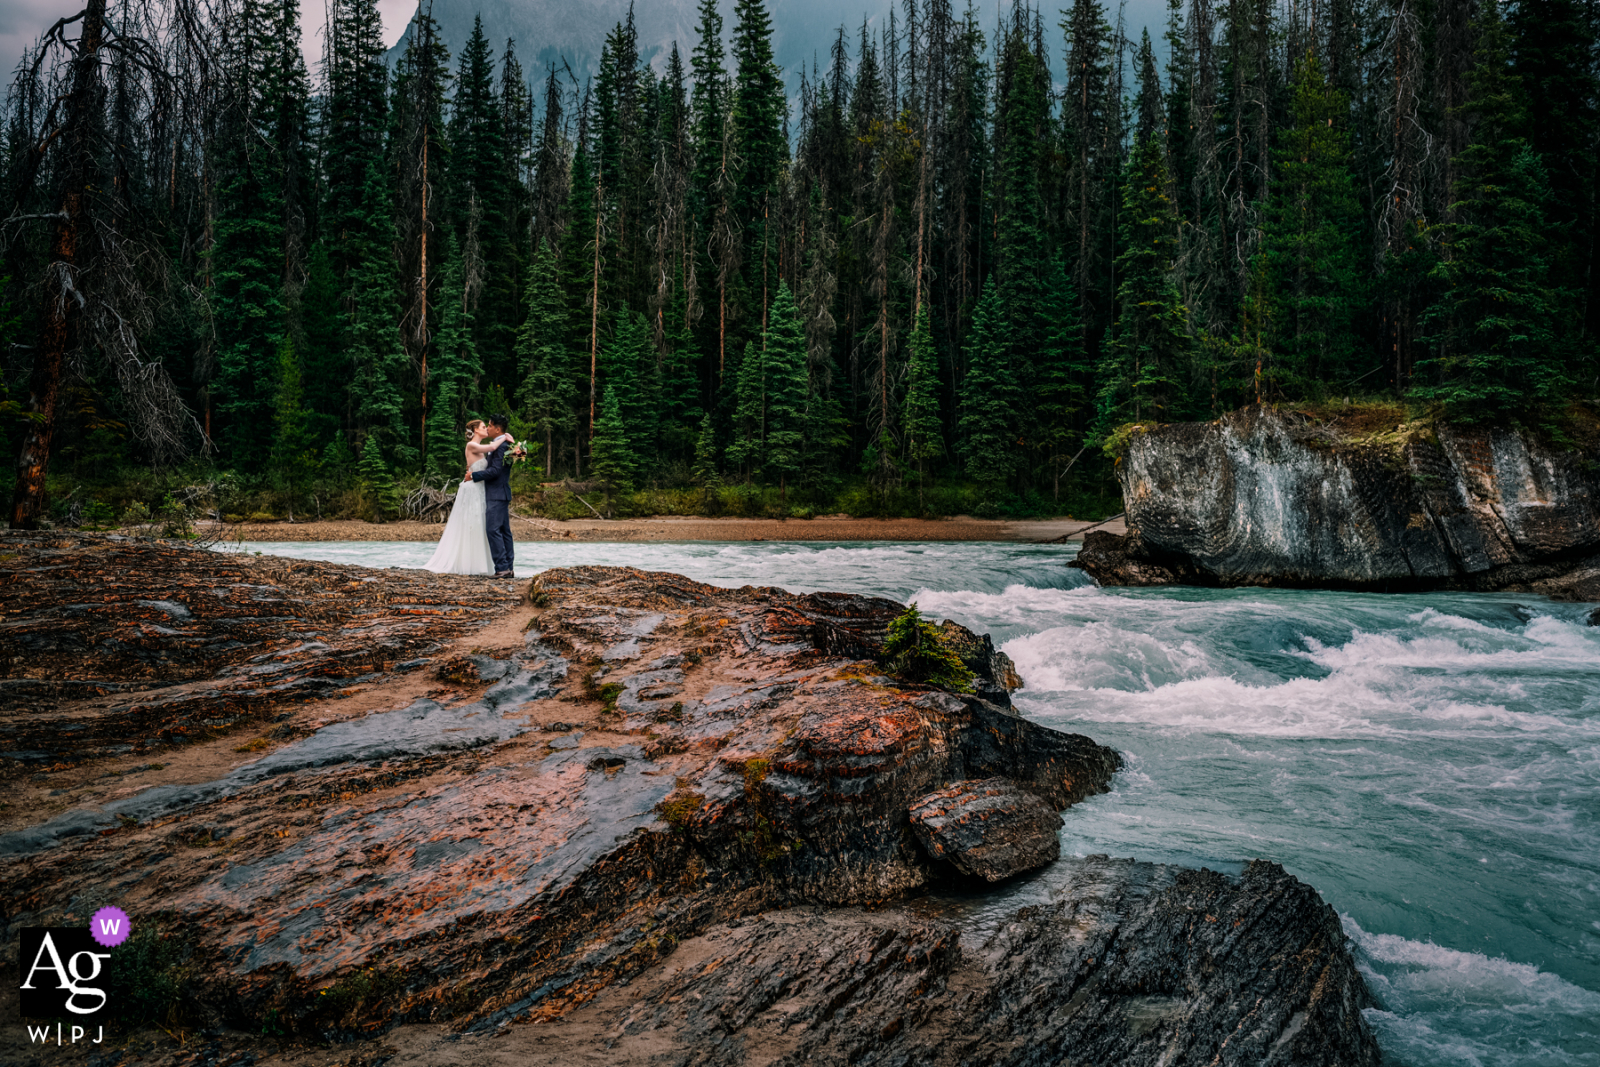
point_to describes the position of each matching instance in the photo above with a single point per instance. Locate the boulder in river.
(1267, 496)
(990, 829)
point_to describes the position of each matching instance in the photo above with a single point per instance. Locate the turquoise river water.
(1430, 763)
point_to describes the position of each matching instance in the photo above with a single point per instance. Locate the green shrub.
(145, 976)
(915, 652)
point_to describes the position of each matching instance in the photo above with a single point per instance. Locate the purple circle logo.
(110, 927)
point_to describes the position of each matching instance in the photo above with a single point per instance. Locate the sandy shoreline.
(675, 528)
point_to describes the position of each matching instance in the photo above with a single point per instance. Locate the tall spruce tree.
(750, 410)
(383, 498)
(378, 358)
(354, 124)
(248, 274)
(481, 174)
(419, 151)
(1021, 258)
(612, 460)
(1091, 143)
(630, 374)
(580, 269)
(922, 426)
(758, 109)
(294, 457)
(247, 306)
(990, 398)
(1494, 331)
(1313, 226)
(1061, 380)
(787, 386)
(1553, 46)
(758, 105)
(456, 369)
(550, 378)
(1146, 360)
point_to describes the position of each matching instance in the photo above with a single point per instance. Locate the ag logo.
(61, 967)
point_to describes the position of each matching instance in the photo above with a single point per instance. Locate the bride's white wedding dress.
(464, 547)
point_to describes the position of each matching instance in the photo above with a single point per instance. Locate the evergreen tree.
(1091, 141)
(580, 251)
(758, 108)
(705, 453)
(325, 327)
(1310, 240)
(612, 459)
(375, 350)
(420, 151)
(378, 482)
(749, 414)
(1179, 125)
(550, 387)
(680, 386)
(758, 116)
(1494, 330)
(628, 368)
(708, 186)
(1021, 260)
(1142, 371)
(481, 174)
(293, 457)
(248, 312)
(354, 122)
(787, 388)
(1061, 379)
(1553, 47)
(990, 398)
(1150, 118)
(924, 429)
(456, 368)
(334, 464)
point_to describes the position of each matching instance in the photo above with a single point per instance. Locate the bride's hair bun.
(474, 425)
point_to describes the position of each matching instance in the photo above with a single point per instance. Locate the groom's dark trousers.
(496, 479)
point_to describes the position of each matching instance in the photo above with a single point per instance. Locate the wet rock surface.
(1135, 964)
(1269, 497)
(111, 645)
(990, 829)
(635, 765)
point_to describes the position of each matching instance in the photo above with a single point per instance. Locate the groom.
(496, 479)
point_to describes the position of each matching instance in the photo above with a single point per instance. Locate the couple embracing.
(477, 539)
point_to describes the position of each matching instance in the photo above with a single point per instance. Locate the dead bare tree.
(94, 293)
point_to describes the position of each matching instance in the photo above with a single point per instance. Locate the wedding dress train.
(464, 547)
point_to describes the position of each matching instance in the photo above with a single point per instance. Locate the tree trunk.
(60, 295)
(424, 322)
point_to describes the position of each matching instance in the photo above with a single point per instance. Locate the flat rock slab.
(989, 828)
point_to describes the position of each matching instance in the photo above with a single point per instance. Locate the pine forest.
(944, 269)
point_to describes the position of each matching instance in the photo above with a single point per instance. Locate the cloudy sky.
(21, 22)
(552, 22)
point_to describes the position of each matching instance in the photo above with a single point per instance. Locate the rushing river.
(1431, 763)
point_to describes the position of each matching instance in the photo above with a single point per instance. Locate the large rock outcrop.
(540, 812)
(1272, 497)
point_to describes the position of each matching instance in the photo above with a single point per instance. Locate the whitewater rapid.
(1430, 763)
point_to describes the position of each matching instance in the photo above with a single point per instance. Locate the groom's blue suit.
(496, 479)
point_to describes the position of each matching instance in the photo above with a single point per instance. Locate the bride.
(464, 547)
